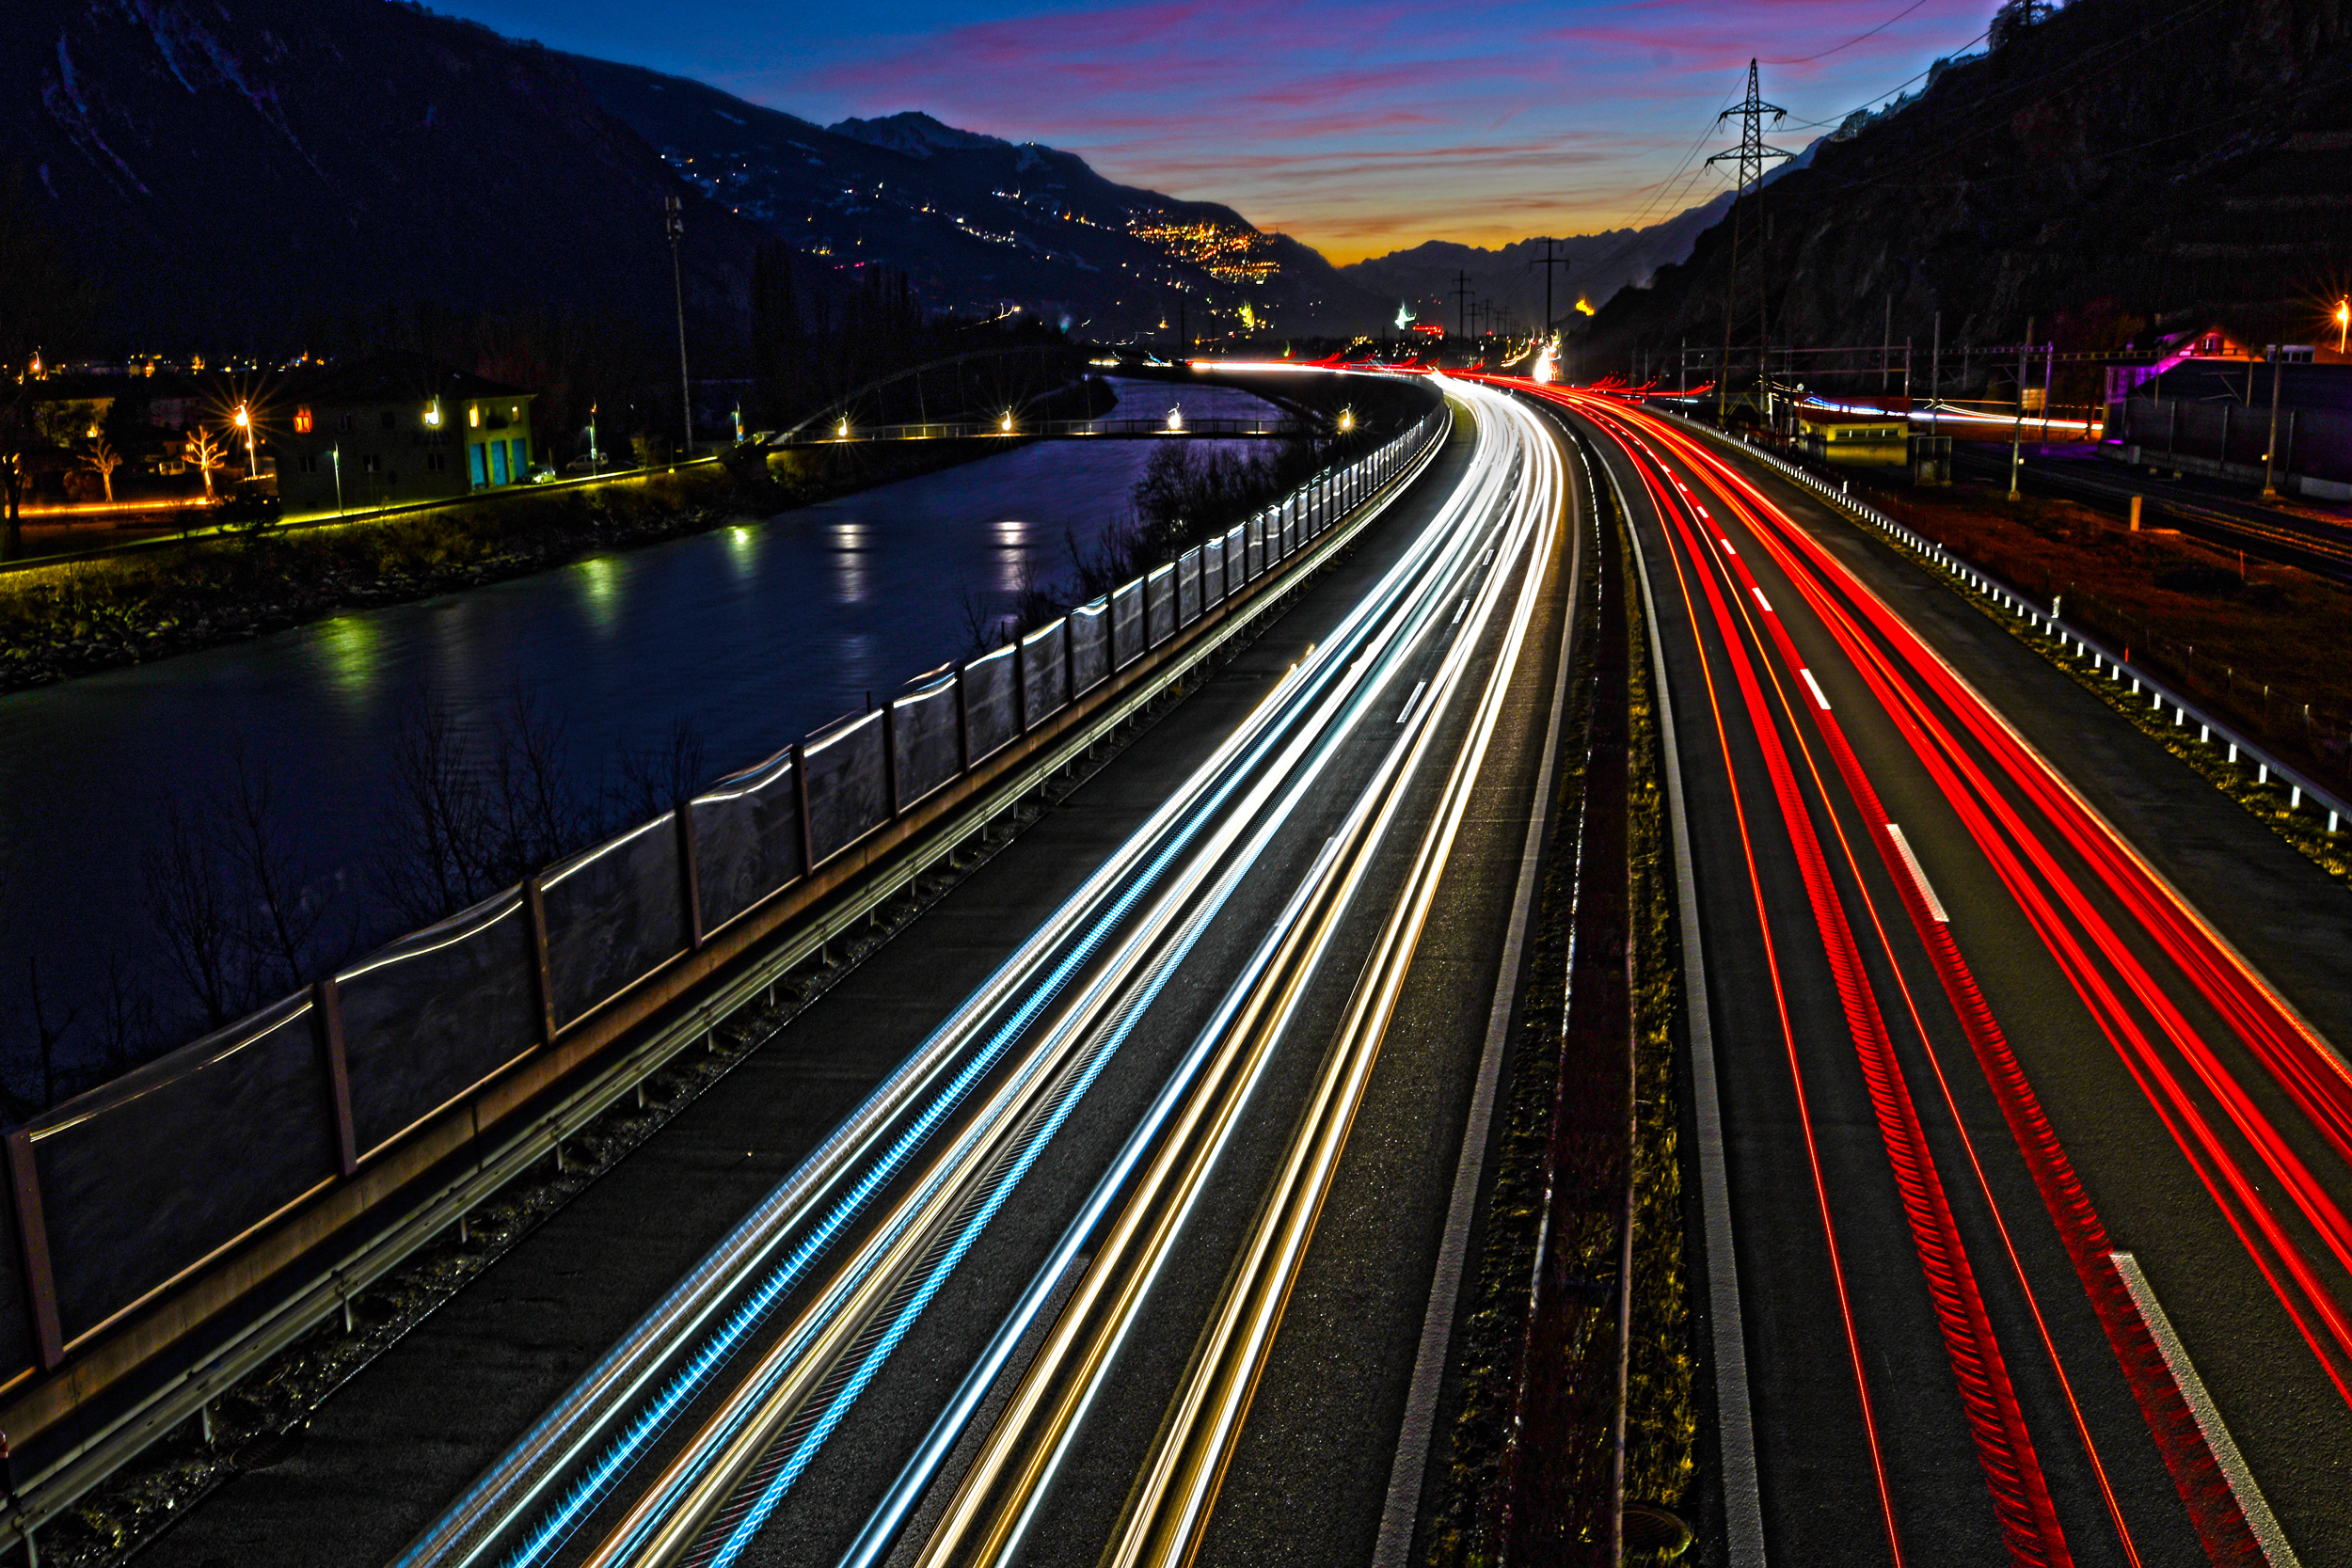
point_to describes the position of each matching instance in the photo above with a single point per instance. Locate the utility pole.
(1461, 300)
(1935, 373)
(1749, 156)
(674, 225)
(2270, 451)
(1887, 350)
(1548, 261)
(2049, 357)
(2017, 431)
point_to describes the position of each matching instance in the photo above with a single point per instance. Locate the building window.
(302, 420)
(473, 416)
(474, 463)
(2212, 344)
(370, 464)
(308, 463)
(347, 421)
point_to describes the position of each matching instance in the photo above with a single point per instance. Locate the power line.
(1808, 59)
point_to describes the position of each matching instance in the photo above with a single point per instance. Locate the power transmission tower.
(1750, 155)
(1461, 299)
(1548, 261)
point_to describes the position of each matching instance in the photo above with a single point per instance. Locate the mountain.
(2112, 168)
(226, 168)
(1424, 279)
(234, 172)
(980, 224)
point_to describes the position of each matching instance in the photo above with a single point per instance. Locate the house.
(1853, 439)
(2217, 349)
(391, 429)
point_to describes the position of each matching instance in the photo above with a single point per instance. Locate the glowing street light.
(841, 431)
(1347, 420)
(2343, 319)
(1175, 419)
(243, 418)
(1006, 423)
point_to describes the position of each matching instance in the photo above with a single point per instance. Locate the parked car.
(540, 474)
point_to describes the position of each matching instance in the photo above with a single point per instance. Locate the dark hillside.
(2117, 166)
(226, 170)
(977, 223)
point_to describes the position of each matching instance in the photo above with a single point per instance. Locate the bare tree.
(190, 901)
(282, 911)
(541, 812)
(125, 1024)
(654, 779)
(47, 1034)
(437, 852)
(102, 459)
(209, 455)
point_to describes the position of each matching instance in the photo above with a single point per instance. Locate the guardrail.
(177, 1227)
(936, 430)
(2030, 614)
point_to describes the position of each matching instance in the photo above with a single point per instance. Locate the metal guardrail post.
(543, 977)
(327, 1010)
(690, 875)
(32, 1238)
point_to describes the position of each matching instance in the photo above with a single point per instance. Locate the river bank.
(78, 618)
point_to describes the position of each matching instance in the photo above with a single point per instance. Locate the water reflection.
(845, 539)
(754, 634)
(350, 644)
(601, 574)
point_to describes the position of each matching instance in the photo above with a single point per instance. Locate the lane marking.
(1919, 877)
(1815, 687)
(2251, 1500)
(1761, 599)
(1408, 711)
(1457, 613)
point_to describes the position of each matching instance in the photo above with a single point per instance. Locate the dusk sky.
(1359, 128)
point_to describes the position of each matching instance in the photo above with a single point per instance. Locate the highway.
(949, 1334)
(2038, 1184)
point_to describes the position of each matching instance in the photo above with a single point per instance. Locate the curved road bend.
(1931, 1318)
(1079, 1075)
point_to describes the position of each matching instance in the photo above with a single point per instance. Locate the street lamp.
(335, 456)
(243, 418)
(1006, 423)
(2343, 319)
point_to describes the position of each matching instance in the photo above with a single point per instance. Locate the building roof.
(391, 378)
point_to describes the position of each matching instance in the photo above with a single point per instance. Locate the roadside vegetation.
(1661, 1415)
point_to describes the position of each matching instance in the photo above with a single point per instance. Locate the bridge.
(1173, 427)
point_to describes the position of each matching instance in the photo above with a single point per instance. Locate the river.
(753, 633)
